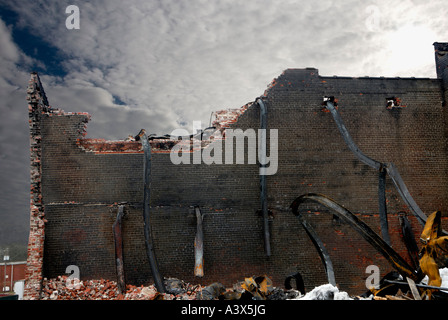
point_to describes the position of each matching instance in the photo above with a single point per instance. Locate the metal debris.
(364, 230)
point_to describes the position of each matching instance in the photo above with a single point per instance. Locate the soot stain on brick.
(396, 113)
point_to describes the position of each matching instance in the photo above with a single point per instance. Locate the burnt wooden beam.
(199, 245)
(118, 240)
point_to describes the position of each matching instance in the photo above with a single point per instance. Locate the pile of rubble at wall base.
(64, 288)
(253, 288)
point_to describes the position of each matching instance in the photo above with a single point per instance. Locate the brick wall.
(10, 273)
(83, 181)
(37, 106)
(313, 158)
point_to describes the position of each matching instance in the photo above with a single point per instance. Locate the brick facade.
(10, 273)
(77, 184)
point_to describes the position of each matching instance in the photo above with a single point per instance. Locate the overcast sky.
(160, 65)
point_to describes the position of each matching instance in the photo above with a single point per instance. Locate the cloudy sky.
(162, 64)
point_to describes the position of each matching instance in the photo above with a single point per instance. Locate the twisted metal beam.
(319, 245)
(364, 230)
(382, 206)
(409, 240)
(390, 169)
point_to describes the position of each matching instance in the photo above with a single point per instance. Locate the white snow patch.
(325, 292)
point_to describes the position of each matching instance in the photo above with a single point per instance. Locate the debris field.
(64, 288)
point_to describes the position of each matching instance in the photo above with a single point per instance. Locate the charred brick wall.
(313, 158)
(83, 181)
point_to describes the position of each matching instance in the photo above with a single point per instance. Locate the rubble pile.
(252, 288)
(63, 288)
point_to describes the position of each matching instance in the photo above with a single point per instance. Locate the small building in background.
(12, 276)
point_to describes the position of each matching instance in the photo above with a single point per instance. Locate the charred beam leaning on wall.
(364, 230)
(118, 240)
(323, 253)
(382, 206)
(158, 280)
(199, 245)
(389, 168)
(409, 240)
(330, 104)
(262, 149)
(405, 194)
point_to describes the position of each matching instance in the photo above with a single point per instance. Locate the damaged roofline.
(159, 144)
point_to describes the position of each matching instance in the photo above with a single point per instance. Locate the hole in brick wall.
(331, 99)
(393, 102)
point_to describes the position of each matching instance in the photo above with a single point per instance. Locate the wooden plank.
(414, 289)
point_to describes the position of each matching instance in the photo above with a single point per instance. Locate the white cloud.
(8, 51)
(186, 59)
(402, 43)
